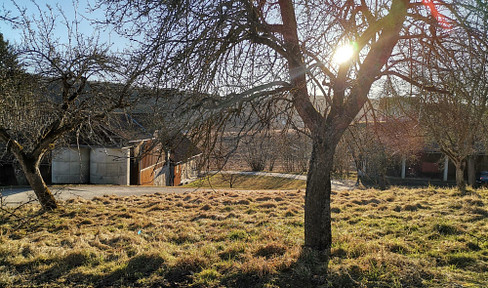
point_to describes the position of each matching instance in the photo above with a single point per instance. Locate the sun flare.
(343, 54)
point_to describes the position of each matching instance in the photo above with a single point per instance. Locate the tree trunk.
(318, 234)
(30, 167)
(460, 182)
(471, 170)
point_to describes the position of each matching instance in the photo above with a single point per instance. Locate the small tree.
(258, 150)
(53, 96)
(294, 151)
(370, 155)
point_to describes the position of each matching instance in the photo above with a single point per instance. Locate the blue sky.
(68, 8)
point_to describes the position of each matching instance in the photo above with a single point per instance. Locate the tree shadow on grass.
(310, 270)
(151, 266)
(150, 270)
(138, 267)
(142, 266)
(62, 266)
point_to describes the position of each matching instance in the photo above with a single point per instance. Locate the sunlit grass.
(247, 182)
(394, 238)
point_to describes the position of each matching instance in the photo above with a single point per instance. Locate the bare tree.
(450, 85)
(278, 54)
(294, 151)
(369, 152)
(53, 96)
(258, 150)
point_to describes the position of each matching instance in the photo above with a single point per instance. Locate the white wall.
(70, 165)
(110, 166)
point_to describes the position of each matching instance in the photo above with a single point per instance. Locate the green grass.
(247, 182)
(394, 238)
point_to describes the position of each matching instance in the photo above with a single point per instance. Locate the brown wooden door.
(147, 176)
(177, 180)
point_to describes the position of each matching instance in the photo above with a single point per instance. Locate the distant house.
(411, 153)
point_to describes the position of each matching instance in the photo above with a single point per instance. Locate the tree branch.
(429, 88)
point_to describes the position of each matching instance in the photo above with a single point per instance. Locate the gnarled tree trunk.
(30, 167)
(30, 162)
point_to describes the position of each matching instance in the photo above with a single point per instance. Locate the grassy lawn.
(395, 238)
(247, 181)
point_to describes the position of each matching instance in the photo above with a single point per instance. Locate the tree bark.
(30, 167)
(318, 234)
(460, 182)
(471, 170)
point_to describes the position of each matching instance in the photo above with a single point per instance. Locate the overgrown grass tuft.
(394, 238)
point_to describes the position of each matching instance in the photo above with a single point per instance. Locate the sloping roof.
(116, 131)
(182, 148)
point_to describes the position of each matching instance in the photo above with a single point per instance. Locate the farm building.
(122, 152)
(140, 163)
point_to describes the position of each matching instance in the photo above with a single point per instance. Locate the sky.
(69, 9)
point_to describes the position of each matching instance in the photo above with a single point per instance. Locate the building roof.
(181, 149)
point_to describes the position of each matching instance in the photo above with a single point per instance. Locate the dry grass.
(394, 238)
(248, 182)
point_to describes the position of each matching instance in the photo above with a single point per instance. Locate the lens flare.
(441, 19)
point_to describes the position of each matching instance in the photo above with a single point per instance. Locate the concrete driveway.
(19, 195)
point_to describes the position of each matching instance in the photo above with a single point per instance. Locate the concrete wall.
(70, 165)
(161, 176)
(189, 172)
(110, 166)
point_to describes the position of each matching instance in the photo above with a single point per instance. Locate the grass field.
(394, 238)
(246, 181)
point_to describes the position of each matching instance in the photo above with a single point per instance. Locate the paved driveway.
(19, 195)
